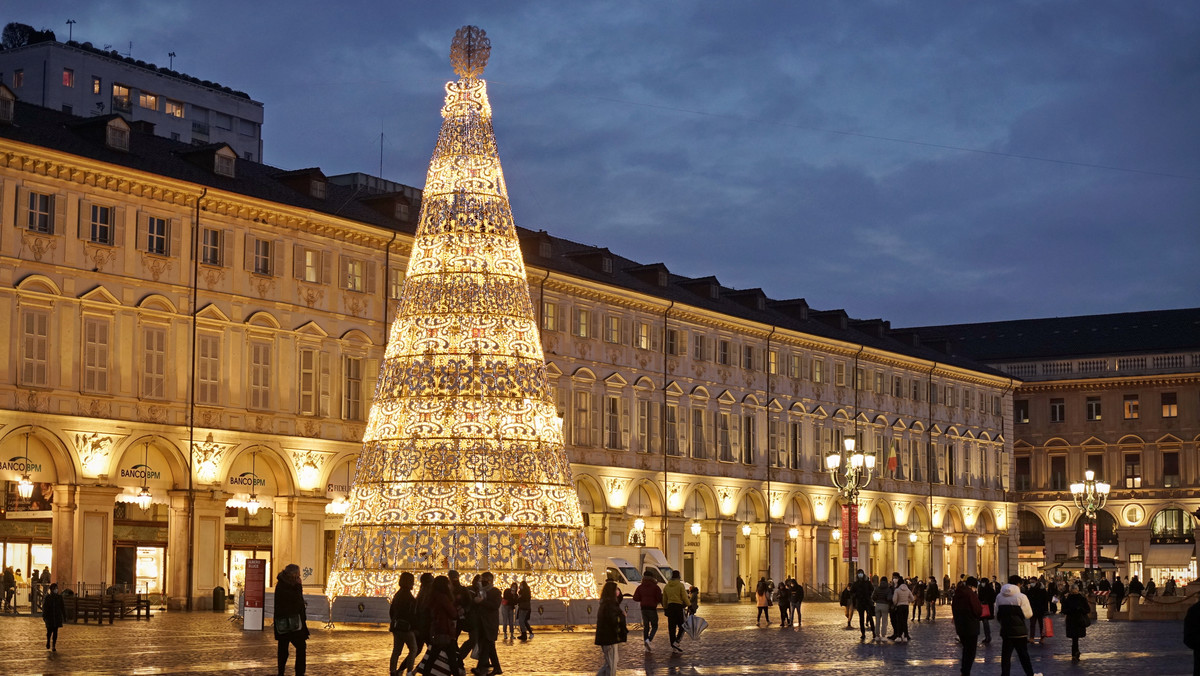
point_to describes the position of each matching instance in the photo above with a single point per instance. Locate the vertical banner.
(854, 533)
(256, 582)
(845, 527)
(1089, 544)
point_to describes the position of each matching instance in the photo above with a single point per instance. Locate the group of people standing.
(788, 595)
(12, 579)
(880, 601)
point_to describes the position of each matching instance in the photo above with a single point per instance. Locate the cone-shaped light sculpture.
(463, 465)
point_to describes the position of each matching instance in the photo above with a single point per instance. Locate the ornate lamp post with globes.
(851, 470)
(1090, 496)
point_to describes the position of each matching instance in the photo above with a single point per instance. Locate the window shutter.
(625, 438)
(370, 377)
(326, 267)
(175, 233)
(59, 206)
(656, 339)
(22, 208)
(324, 379)
(277, 258)
(735, 435)
(118, 227)
(682, 422)
(343, 272)
(297, 261)
(564, 409)
(226, 243)
(345, 407)
(140, 232)
(627, 333)
(248, 253)
(594, 418)
(83, 224)
(369, 277)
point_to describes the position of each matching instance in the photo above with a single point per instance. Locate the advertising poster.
(256, 587)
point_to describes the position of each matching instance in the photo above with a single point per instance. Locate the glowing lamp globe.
(25, 487)
(144, 498)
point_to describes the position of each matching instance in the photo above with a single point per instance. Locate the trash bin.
(218, 599)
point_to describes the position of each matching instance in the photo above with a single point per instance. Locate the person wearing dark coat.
(487, 606)
(1135, 586)
(610, 627)
(509, 611)
(402, 613)
(987, 598)
(932, 594)
(1191, 635)
(846, 600)
(863, 590)
(54, 613)
(1151, 589)
(524, 608)
(421, 613)
(1077, 612)
(1039, 602)
(291, 622)
(443, 627)
(966, 610)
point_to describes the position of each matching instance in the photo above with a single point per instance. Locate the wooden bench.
(88, 606)
(131, 604)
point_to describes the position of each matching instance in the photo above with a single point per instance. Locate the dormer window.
(662, 278)
(7, 104)
(401, 211)
(116, 135)
(714, 291)
(223, 164)
(606, 265)
(316, 188)
(545, 250)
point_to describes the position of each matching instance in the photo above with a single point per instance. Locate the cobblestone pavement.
(203, 643)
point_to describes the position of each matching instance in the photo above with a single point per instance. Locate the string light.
(463, 464)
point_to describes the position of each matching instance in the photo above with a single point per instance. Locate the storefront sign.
(38, 506)
(256, 587)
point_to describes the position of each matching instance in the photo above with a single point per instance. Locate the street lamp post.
(851, 470)
(1090, 496)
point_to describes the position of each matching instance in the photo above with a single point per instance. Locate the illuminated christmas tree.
(463, 465)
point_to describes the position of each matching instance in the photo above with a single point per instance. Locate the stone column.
(806, 556)
(673, 539)
(972, 560)
(93, 534)
(208, 548)
(62, 536)
(725, 543)
(777, 538)
(937, 551)
(298, 536)
(179, 511)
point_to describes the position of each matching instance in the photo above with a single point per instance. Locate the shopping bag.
(1048, 627)
(440, 667)
(987, 612)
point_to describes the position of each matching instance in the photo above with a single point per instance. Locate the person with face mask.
(862, 590)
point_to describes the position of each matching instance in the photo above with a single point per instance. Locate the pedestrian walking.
(846, 600)
(509, 611)
(882, 600)
(649, 597)
(443, 625)
(674, 602)
(291, 621)
(862, 592)
(524, 608)
(1117, 595)
(1078, 614)
(487, 613)
(1012, 610)
(741, 584)
(1039, 602)
(902, 597)
(421, 613)
(693, 600)
(54, 613)
(966, 610)
(783, 598)
(932, 594)
(918, 592)
(10, 589)
(401, 613)
(611, 629)
(762, 597)
(987, 599)
(797, 599)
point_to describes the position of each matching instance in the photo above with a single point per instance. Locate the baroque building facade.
(210, 329)
(1119, 395)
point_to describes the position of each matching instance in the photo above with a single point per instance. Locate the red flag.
(892, 461)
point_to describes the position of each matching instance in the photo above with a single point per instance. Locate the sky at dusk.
(923, 162)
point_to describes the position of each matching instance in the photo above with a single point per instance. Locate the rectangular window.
(1093, 408)
(95, 354)
(355, 274)
(795, 444)
(121, 99)
(1021, 410)
(262, 257)
(156, 235)
(580, 326)
(699, 346)
(642, 338)
(154, 364)
(818, 370)
(307, 384)
(1058, 472)
(749, 437)
(210, 246)
(222, 121)
(582, 428)
(897, 386)
(312, 266)
(795, 366)
(1133, 470)
(699, 447)
(208, 369)
(839, 374)
(776, 455)
(41, 213)
(1095, 462)
(260, 375)
(395, 283)
(352, 388)
(916, 459)
(1058, 410)
(100, 225)
(879, 382)
(35, 348)
(951, 475)
(772, 362)
(1131, 407)
(97, 86)
(612, 422)
(724, 446)
(747, 357)
(859, 378)
(673, 345)
(1023, 473)
(671, 429)
(68, 78)
(723, 350)
(643, 426)
(1170, 463)
(1170, 405)
(916, 389)
(612, 329)
(174, 108)
(147, 100)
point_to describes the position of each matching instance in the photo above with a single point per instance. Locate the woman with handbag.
(1078, 613)
(611, 630)
(291, 622)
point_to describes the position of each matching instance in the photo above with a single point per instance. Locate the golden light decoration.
(696, 527)
(463, 465)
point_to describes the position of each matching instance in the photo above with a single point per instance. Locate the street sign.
(256, 582)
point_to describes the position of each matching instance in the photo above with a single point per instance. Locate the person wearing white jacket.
(1012, 611)
(902, 597)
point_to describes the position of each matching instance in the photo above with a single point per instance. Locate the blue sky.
(923, 162)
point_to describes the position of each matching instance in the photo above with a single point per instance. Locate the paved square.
(203, 643)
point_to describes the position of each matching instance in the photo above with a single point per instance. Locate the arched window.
(1172, 526)
(1033, 533)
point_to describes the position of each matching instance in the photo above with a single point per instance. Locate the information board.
(256, 587)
